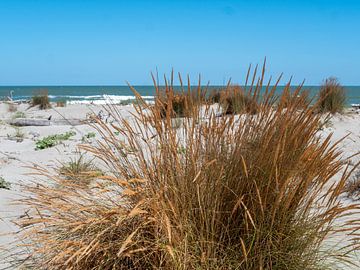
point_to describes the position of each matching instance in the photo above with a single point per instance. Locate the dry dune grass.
(332, 97)
(182, 103)
(232, 192)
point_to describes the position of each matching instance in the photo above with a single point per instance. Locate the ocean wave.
(75, 97)
(87, 99)
(107, 99)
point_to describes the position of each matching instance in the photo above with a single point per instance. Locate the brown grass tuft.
(332, 97)
(61, 103)
(235, 192)
(11, 107)
(235, 100)
(41, 98)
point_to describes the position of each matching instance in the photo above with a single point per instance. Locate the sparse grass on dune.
(61, 103)
(11, 107)
(80, 170)
(234, 192)
(332, 97)
(41, 98)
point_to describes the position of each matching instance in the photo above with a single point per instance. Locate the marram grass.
(249, 191)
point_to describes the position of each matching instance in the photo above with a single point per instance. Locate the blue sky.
(89, 42)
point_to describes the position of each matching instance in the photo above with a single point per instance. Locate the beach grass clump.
(179, 103)
(53, 140)
(234, 192)
(332, 97)
(41, 99)
(19, 114)
(4, 184)
(79, 170)
(11, 107)
(19, 134)
(215, 96)
(61, 103)
(235, 100)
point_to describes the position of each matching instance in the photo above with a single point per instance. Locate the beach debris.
(22, 122)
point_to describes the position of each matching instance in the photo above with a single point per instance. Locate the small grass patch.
(61, 103)
(4, 184)
(18, 135)
(80, 170)
(12, 107)
(53, 140)
(19, 115)
(88, 136)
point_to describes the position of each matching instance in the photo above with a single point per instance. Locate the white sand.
(14, 156)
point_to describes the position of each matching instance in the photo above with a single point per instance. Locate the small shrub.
(4, 184)
(41, 98)
(215, 96)
(19, 115)
(179, 103)
(332, 97)
(234, 100)
(53, 140)
(61, 103)
(11, 107)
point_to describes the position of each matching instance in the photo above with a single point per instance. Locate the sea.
(121, 94)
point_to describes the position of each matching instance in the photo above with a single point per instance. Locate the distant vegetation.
(235, 100)
(41, 99)
(61, 103)
(332, 97)
(224, 192)
(11, 107)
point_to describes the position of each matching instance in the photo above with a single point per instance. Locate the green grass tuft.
(53, 140)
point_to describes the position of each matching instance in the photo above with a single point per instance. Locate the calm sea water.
(99, 94)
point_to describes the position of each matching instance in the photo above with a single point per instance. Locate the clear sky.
(94, 42)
